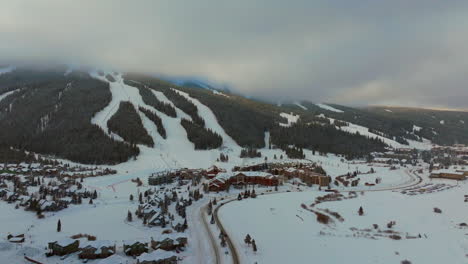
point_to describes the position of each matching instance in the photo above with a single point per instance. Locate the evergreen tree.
(59, 226)
(248, 239)
(361, 211)
(212, 221)
(254, 246)
(129, 216)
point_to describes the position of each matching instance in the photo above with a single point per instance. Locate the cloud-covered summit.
(353, 52)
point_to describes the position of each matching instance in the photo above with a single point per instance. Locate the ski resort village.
(128, 169)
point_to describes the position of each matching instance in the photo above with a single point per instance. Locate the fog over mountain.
(410, 53)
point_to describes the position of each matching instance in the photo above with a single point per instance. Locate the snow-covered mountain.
(107, 117)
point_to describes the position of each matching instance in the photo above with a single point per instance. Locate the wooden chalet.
(135, 248)
(97, 250)
(459, 176)
(212, 171)
(63, 247)
(170, 244)
(16, 238)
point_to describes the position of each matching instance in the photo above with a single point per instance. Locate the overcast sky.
(393, 52)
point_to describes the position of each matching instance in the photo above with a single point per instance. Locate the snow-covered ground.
(285, 232)
(300, 105)
(292, 119)
(4, 95)
(364, 131)
(329, 108)
(298, 238)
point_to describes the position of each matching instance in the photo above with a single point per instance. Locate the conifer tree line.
(127, 123)
(323, 138)
(202, 137)
(250, 153)
(51, 114)
(155, 119)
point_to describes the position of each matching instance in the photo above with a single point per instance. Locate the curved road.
(211, 236)
(235, 255)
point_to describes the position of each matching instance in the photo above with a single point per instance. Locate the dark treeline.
(325, 139)
(150, 99)
(389, 126)
(294, 152)
(250, 153)
(244, 120)
(156, 120)
(202, 137)
(127, 123)
(53, 117)
(8, 155)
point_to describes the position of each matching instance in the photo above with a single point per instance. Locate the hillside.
(104, 117)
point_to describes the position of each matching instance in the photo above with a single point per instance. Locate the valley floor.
(287, 231)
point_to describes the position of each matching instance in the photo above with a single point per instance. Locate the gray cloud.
(353, 52)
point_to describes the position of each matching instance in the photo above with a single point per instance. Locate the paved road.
(232, 248)
(213, 241)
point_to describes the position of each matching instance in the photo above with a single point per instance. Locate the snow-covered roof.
(156, 255)
(448, 171)
(65, 242)
(114, 259)
(255, 173)
(98, 244)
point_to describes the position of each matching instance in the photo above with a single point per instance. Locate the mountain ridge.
(212, 118)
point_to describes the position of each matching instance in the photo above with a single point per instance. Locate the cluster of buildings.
(459, 175)
(222, 181)
(55, 170)
(163, 251)
(42, 194)
(266, 175)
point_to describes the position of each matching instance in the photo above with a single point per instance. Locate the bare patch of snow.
(416, 128)
(300, 105)
(292, 119)
(220, 93)
(329, 108)
(3, 96)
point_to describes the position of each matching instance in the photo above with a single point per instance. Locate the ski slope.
(329, 108)
(5, 95)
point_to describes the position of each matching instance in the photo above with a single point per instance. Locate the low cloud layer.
(398, 52)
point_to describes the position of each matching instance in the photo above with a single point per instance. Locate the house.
(449, 175)
(157, 257)
(16, 238)
(97, 250)
(63, 247)
(135, 248)
(156, 218)
(212, 171)
(170, 244)
(160, 178)
(217, 185)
